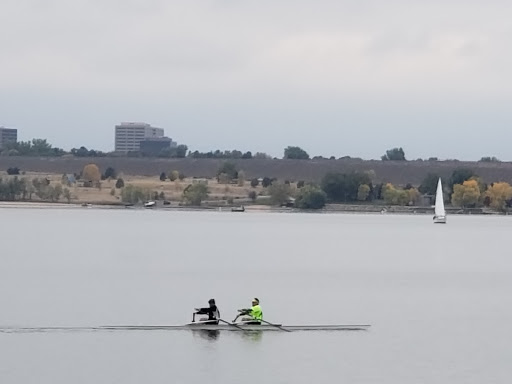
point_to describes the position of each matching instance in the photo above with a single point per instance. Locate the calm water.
(438, 297)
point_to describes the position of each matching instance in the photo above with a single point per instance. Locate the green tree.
(253, 195)
(30, 190)
(280, 193)
(119, 183)
(194, 194)
(110, 173)
(394, 154)
(459, 176)
(255, 182)
(489, 159)
(181, 176)
(133, 194)
(241, 178)
(55, 192)
(394, 196)
(45, 191)
(429, 184)
(163, 176)
(363, 192)
(13, 171)
(262, 156)
(13, 189)
(344, 187)
(36, 147)
(266, 182)
(311, 197)
(229, 169)
(295, 153)
(66, 194)
(414, 195)
(41, 146)
(181, 151)
(174, 175)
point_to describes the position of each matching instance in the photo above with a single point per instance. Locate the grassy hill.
(396, 172)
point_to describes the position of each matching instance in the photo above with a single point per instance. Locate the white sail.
(439, 207)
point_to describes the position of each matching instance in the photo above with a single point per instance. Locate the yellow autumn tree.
(174, 175)
(499, 193)
(414, 195)
(466, 194)
(362, 192)
(481, 185)
(394, 196)
(91, 173)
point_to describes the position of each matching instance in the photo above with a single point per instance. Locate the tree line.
(15, 189)
(42, 148)
(463, 188)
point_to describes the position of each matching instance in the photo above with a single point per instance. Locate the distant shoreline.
(331, 208)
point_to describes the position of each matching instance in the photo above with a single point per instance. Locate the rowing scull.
(191, 327)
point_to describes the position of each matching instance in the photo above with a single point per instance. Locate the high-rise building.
(129, 135)
(153, 147)
(8, 135)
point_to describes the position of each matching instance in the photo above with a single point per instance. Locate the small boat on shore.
(150, 204)
(238, 209)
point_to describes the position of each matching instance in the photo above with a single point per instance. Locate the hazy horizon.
(335, 78)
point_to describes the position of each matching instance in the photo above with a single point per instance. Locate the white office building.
(129, 135)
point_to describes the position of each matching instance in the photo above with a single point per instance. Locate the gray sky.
(334, 77)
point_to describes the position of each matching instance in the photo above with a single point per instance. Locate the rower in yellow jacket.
(255, 313)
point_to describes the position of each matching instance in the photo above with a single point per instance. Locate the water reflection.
(207, 334)
(255, 336)
(213, 335)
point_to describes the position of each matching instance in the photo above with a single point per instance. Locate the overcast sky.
(335, 77)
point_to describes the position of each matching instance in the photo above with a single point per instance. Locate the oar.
(275, 325)
(234, 325)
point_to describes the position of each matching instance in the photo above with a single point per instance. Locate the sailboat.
(439, 212)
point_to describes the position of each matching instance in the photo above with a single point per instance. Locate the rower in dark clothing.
(212, 311)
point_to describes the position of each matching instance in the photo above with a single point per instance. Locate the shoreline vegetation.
(231, 190)
(242, 182)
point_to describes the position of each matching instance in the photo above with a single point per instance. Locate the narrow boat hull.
(244, 327)
(191, 327)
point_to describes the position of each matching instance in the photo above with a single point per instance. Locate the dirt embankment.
(396, 172)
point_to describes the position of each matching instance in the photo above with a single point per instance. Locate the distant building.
(8, 135)
(128, 136)
(152, 147)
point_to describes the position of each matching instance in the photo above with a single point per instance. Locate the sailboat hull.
(440, 220)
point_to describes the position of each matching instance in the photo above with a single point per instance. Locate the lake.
(438, 297)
